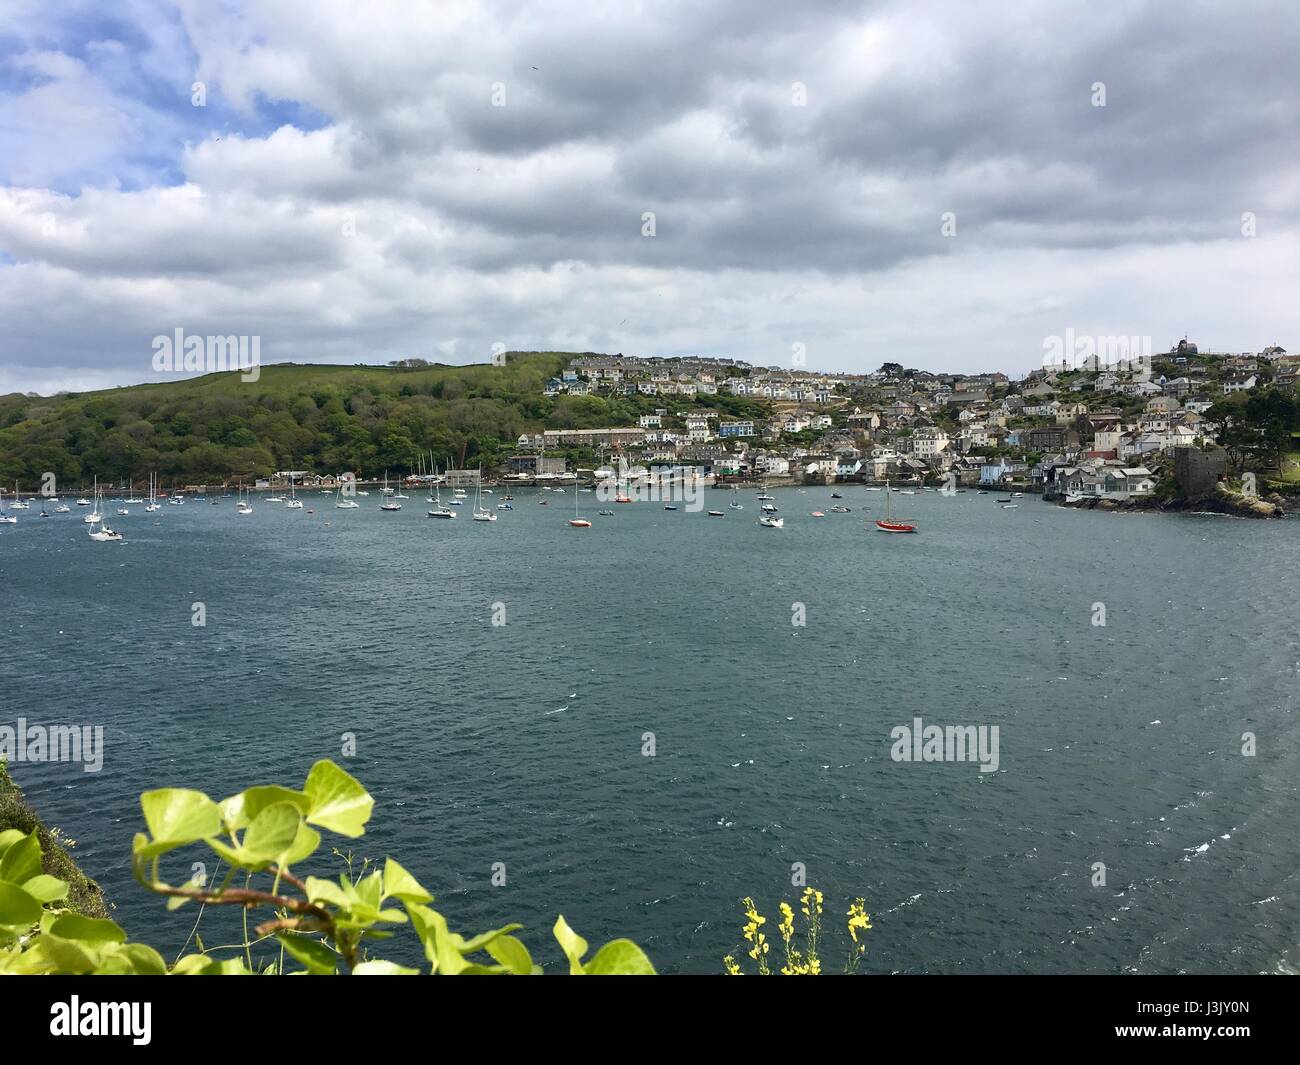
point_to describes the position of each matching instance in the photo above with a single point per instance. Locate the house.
(736, 429)
(1239, 383)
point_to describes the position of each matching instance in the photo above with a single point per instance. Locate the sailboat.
(763, 496)
(60, 507)
(479, 513)
(93, 518)
(770, 522)
(18, 500)
(5, 517)
(735, 491)
(575, 521)
(344, 504)
(439, 511)
(390, 500)
(153, 503)
(132, 499)
(103, 534)
(243, 506)
(889, 524)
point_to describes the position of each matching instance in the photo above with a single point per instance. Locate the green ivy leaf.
(9, 837)
(319, 959)
(145, 961)
(46, 888)
(272, 833)
(319, 890)
(177, 816)
(17, 907)
(22, 860)
(239, 810)
(619, 957)
(304, 844)
(511, 953)
(338, 802)
(573, 945)
(87, 929)
(399, 884)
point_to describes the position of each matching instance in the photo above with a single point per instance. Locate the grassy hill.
(314, 417)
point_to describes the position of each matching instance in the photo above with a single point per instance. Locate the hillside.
(322, 418)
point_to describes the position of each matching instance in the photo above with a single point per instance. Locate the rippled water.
(522, 743)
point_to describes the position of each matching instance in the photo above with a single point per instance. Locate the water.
(522, 744)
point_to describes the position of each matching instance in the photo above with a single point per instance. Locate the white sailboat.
(390, 499)
(479, 513)
(293, 502)
(153, 503)
(5, 517)
(735, 491)
(575, 521)
(439, 511)
(344, 504)
(18, 500)
(94, 517)
(103, 534)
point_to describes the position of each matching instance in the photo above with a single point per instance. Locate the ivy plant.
(262, 835)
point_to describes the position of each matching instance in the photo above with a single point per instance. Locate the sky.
(941, 184)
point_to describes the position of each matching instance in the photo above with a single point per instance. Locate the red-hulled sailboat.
(889, 523)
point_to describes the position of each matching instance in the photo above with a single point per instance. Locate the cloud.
(372, 181)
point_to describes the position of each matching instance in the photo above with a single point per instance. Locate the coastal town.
(1116, 431)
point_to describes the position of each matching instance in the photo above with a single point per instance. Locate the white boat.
(5, 517)
(62, 508)
(18, 500)
(293, 502)
(83, 502)
(439, 511)
(772, 523)
(768, 508)
(1010, 506)
(103, 534)
(479, 513)
(94, 517)
(390, 499)
(872, 488)
(576, 521)
(153, 503)
(344, 504)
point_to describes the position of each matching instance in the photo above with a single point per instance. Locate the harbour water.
(522, 743)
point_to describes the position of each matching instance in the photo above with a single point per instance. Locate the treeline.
(326, 419)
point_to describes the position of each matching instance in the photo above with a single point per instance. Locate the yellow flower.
(858, 918)
(732, 968)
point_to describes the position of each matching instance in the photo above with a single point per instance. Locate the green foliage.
(82, 894)
(326, 419)
(324, 926)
